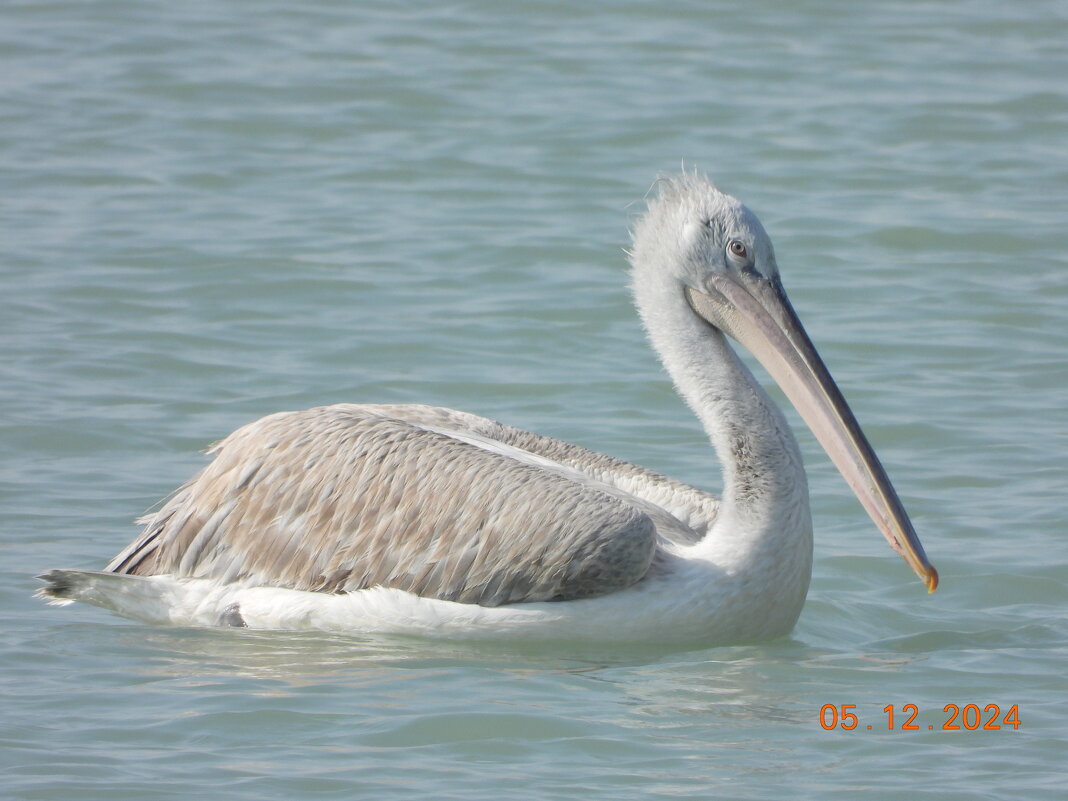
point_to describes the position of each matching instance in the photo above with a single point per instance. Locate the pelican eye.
(738, 250)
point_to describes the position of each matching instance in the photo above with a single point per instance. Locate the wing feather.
(348, 497)
(695, 509)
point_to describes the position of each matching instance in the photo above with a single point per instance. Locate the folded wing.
(427, 500)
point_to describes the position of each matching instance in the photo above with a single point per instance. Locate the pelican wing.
(683, 513)
(428, 500)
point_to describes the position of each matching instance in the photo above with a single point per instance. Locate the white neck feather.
(765, 509)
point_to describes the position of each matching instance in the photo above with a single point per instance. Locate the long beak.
(756, 312)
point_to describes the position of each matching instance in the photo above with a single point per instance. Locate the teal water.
(210, 212)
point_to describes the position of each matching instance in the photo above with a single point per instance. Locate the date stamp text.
(969, 717)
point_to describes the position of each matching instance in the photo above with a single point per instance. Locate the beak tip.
(930, 578)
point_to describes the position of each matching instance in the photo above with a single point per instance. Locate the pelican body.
(420, 520)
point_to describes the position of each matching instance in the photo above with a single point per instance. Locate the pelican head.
(720, 262)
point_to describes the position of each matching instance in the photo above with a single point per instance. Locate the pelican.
(418, 520)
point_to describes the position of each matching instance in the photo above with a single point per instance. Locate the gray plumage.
(441, 503)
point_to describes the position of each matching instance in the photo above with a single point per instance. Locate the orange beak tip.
(931, 579)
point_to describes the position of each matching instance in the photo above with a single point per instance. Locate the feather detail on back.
(343, 497)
